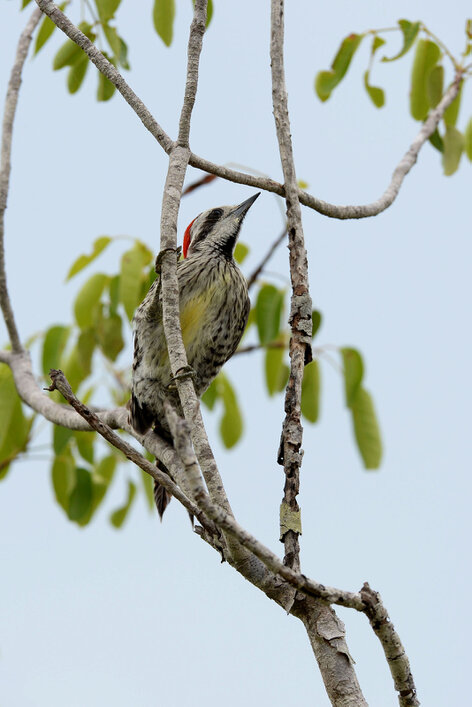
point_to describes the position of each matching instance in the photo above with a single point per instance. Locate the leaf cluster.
(427, 85)
(100, 26)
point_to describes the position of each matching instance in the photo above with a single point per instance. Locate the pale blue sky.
(147, 615)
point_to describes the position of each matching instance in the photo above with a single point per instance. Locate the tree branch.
(323, 207)
(290, 453)
(392, 646)
(11, 102)
(178, 161)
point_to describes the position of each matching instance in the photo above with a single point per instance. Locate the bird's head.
(216, 229)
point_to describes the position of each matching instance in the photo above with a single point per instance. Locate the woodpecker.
(214, 307)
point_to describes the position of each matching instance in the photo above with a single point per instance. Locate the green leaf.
(87, 300)
(107, 8)
(353, 373)
(105, 88)
(376, 43)
(240, 252)
(409, 31)
(118, 517)
(85, 441)
(436, 140)
(70, 52)
(24, 3)
(345, 53)
(426, 57)
(210, 10)
(67, 55)
(54, 344)
(117, 45)
(63, 478)
(80, 499)
(76, 74)
(85, 349)
(82, 261)
(310, 401)
(316, 319)
(452, 111)
(468, 140)
(366, 429)
(231, 425)
(14, 426)
(113, 39)
(453, 147)
(376, 94)
(114, 291)
(123, 55)
(210, 395)
(468, 28)
(105, 468)
(73, 369)
(268, 312)
(8, 400)
(102, 476)
(148, 486)
(45, 31)
(163, 15)
(435, 85)
(326, 81)
(131, 275)
(60, 438)
(109, 335)
(275, 370)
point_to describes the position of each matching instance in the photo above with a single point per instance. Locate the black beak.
(243, 208)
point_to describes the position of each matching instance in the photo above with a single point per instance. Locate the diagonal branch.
(11, 102)
(323, 207)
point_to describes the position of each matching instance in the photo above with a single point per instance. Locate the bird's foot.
(182, 373)
(160, 255)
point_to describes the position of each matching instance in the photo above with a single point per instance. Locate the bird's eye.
(215, 214)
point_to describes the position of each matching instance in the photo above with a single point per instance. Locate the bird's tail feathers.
(140, 416)
(161, 496)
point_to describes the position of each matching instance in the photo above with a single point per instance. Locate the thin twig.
(265, 183)
(11, 103)
(252, 278)
(258, 347)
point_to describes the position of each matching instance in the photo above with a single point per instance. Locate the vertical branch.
(11, 101)
(178, 162)
(290, 452)
(324, 629)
